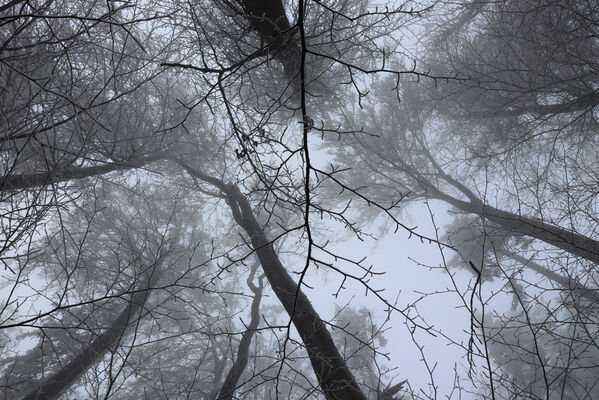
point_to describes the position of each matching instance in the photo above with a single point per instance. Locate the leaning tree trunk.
(52, 387)
(25, 181)
(554, 235)
(567, 283)
(334, 377)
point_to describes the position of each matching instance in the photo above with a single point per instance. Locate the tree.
(134, 115)
(88, 279)
(168, 167)
(510, 141)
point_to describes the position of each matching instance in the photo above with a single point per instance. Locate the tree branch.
(29, 181)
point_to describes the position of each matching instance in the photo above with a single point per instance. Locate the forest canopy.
(303, 199)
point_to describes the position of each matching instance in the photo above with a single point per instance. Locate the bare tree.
(154, 157)
(100, 97)
(511, 141)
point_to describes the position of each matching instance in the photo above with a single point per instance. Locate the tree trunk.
(559, 237)
(230, 384)
(29, 181)
(51, 388)
(566, 283)
(269, 20)
(334, 377)
(554, 235)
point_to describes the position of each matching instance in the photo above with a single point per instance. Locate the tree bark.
(228, 388)
(269, 20)
(267, 17)
(567, 283)
(557, 236)
(554, 235)
(29, 181)
(52, 387)
(334, 377)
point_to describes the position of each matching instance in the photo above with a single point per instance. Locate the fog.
(299, 200)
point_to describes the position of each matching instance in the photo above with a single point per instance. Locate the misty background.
(238, 199)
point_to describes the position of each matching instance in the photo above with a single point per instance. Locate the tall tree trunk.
(334, 377)
(29, 181)
(516, 224)
(51, 388)
(269, 20)
(554, 235)
(557, 236)
(567, 283)
(228, 388)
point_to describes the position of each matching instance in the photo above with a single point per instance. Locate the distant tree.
(358, 339)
